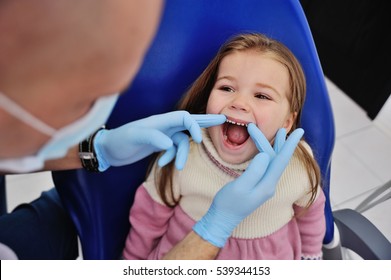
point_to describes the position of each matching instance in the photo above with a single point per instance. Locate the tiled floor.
(361, 162)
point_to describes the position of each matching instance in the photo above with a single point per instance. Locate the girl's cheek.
(211, 111)
(267, 133)
(264, 125)
(211, 108)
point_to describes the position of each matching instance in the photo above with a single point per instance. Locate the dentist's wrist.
(89, 158)
(103, 164)
(215, 227)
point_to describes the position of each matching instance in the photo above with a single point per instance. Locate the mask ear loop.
(21, 114)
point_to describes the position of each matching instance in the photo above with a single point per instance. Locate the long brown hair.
(196, 98)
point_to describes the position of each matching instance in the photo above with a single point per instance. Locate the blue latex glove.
(239, 198)
(139, 139)
(180, 149)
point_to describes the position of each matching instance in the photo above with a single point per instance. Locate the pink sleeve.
(149, 221)
(312, 227)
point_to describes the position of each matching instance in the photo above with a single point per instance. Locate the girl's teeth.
(236, 123)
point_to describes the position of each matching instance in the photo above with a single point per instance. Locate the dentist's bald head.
(58, 56)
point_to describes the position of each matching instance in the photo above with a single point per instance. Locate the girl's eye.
(262, 96)
(227, 88)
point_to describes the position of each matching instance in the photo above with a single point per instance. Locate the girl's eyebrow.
(225, 78)
(269, 87)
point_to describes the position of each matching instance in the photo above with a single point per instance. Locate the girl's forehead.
(240, 54)
(253, 59)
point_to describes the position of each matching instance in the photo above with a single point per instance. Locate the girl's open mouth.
(235, 132)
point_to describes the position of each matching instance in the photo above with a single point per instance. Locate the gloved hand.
(239, 198)
(139, 139)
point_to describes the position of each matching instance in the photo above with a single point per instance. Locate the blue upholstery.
(189, 36)
(3, 197)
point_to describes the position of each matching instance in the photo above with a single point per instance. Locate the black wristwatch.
(87, 153)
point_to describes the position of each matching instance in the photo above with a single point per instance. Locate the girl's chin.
(235, 160)
(235, 157)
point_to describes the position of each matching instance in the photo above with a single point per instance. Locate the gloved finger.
(254, 172)
(179, 151)
(170, 123)
(181, 141)
(279, 163)
(291, 143)
(260, 140)
(180, 121)
(279, 140)
(209, 120)
(167, 157)
(193, 127)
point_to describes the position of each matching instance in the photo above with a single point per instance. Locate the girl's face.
(251, 87)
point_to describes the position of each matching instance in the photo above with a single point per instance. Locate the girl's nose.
(240, 103)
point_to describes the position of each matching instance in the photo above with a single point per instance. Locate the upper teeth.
(237, 123)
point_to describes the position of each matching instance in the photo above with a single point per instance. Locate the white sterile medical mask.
(61, 139)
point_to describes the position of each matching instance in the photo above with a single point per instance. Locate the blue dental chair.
(188, 38)
(3, 197)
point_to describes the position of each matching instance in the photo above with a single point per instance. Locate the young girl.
(253, 79)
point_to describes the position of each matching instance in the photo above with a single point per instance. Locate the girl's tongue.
(236, 134)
